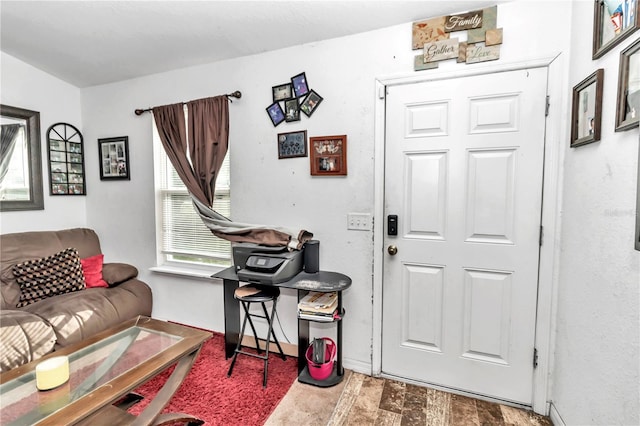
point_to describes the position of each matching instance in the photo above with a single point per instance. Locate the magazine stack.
(317, 306)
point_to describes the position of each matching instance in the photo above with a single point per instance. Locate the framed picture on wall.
(310, 103)
(637, 235)
(613, 21)
(328, 155)
(300, 84)
(292, 144)
(291, 110)
(628, 107)
(586, 111)
(282, 92)
(114, 158)
(275, 113)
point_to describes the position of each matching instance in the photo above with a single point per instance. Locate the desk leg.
(303, 338)
(339, 369)
(231, 318)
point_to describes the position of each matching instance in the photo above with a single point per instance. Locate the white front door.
(463, 174)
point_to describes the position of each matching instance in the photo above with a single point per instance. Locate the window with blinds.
(184, 237)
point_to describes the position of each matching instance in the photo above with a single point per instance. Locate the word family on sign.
(463, 22)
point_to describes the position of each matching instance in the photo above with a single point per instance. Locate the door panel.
(463, 172)
(490, 199)
(426, 195)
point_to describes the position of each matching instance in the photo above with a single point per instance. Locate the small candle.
(52, 372)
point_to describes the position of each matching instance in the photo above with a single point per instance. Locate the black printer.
(259, 264)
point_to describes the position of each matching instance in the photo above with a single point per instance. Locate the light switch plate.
(359, 221)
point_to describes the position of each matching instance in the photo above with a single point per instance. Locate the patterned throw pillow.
(56, 274)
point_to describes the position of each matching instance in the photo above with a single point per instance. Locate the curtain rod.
(237, 94)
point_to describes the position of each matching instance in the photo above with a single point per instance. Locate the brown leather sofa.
(29, 332)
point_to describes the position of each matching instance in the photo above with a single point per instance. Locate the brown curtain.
(208, 131)
(208, 141)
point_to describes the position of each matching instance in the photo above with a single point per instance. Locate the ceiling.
(89, 43)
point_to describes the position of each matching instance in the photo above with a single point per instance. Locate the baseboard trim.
(357, 366)
(555, 416)
(288, 348)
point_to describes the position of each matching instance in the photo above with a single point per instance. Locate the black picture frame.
(300, 85)
(586, 111)
(292, 144)
(282, 92)
(275, 113)
(291, 110)
(114, 158)
(610, 27)
(65, 152)
(637, 234)
(310, 103)
(627, 117)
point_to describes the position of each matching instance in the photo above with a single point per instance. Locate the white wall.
(265, 189)
(596, 358)
(596, 378)
(24, 86)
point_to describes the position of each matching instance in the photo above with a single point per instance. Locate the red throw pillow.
(92, 270)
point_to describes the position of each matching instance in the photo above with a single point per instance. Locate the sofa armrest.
(116, 273)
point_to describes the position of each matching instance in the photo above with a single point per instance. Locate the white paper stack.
(316, 306)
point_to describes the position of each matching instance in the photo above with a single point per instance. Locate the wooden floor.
(375, 401)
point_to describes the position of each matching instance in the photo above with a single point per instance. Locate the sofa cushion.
(116, 273)
(24, 337)
(81, 314)
(92, 271)
(21, 246)
(59, 273)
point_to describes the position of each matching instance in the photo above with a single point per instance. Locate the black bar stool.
(257, 294)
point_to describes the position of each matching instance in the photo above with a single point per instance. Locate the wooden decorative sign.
(464, 21)
(478, 53)
(462, 52)
(489, 22)
(493, 37)
(428, 31)
(483, 38)
(441, 50)
(420, 65)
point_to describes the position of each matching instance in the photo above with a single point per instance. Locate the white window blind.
(184, 238)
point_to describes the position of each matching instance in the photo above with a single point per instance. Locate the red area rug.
(210, 395)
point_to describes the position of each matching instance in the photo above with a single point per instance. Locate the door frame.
(555, 133)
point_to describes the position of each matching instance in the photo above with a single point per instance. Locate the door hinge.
(546, 108)
(382, 92)
(541, 234)
(535, 358)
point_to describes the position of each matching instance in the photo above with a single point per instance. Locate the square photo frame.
(114, 158)
(300, 85)
(310, 103)
(613, 21)
(275, 113)
(282, 92)
(637, 234)
(586, 112)
(292, 144)
(328, 155)
(628, 101)
(291, 110)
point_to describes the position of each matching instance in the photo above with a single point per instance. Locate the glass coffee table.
(103, 370)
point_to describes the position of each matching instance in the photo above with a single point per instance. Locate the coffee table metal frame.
(97, 404)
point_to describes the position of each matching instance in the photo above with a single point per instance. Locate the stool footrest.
(264, 357)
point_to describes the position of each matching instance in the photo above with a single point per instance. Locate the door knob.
(392, 250)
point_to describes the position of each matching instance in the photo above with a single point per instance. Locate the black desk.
(322, 281)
